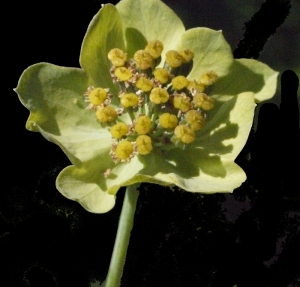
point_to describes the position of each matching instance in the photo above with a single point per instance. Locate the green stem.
(125, 225)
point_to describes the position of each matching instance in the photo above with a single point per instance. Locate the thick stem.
(125, 225)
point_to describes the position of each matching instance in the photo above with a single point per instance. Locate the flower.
(118, 138)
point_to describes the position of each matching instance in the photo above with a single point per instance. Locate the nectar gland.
(158, 108)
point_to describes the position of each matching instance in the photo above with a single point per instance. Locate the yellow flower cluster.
(166, 109)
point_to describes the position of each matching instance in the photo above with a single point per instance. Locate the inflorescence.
(165, 108)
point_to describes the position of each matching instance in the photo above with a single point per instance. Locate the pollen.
(144, 144)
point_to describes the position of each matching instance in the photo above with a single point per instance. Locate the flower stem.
(125, 225)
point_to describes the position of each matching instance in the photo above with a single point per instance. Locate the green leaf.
(153, 19)
(247, 75)
(104, 33)
(54, 96)
(211, 50)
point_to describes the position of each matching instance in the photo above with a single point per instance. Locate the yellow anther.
(203, 101)
(119, 130)
(144, 144)
(173, 59)
(187, 55)
(198, 87)
(182, 102)
(144, 84)
(159, 96)
(123, 74)
(180, 82)
(208, 78)
(124, 150)
(168, 121)
(106, 114)
(194, 119)
(143, 125)
(97, 96)
(154, 48)
(117, 57)
(184, 134)
(162, 75)
(143, 59)
(129, 100)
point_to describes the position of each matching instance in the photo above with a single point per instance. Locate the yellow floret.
(144, 84)
(143, 59)
(159, 96)
(194, 119)
(162, 75)
(97, 96)
(129, 100)
(143, 125)
(173, 59)
(168, 121)
(117, 57)
(184, 134)
(124, 150)
(119, 130)
(154, 48)
(144, 144)
(180, 82)
(203, 101)
(106, 114)
(123, 74)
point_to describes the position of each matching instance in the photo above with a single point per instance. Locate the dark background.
(248, 238)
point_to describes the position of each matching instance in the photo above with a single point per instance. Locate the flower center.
(164, 109)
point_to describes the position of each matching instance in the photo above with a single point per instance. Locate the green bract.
(54, 96)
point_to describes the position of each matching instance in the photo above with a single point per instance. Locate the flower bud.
(143, 125)
(106, 114)
(117, 57)
(129, 100)
(97, 96)
(159, 96)
(119, 130)
(184, 134)
(154, 48)
(168, 121)
(124, 150)
(144, 144)
(173, 59)
(143, 59)
(123, 74)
